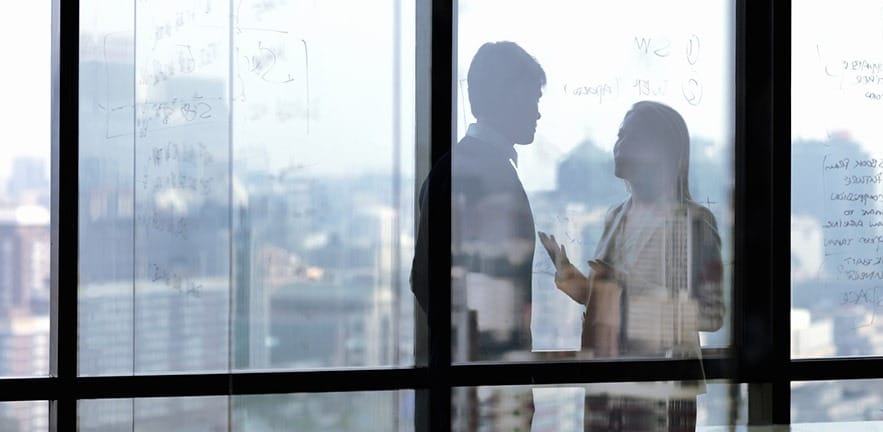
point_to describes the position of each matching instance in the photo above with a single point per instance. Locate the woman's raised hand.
(567, 277)
(556, 252)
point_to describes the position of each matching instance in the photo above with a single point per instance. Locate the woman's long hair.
(672, 134)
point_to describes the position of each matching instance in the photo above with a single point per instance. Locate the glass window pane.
(31, 416)
(107, 186)
(323, 184)
(25, 192)
(186, 414)
(338, 412)
(614, 406)
(181, 194)
(644, 249)
(855, 402)
(836, 87)
(246, 200)
(100, 415)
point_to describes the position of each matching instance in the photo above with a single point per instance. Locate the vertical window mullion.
(762, 206)
(781, 215)
(443, 133)
(64, 225)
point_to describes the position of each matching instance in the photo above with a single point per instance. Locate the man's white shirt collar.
(497, 140)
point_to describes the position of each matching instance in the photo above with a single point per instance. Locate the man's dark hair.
(499, 68)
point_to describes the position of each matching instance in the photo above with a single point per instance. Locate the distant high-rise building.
(24, 352)
(24, 259)
(381, 323)
(28, 183)
(171, 324)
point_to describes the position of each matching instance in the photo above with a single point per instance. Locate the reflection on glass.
(181, 193)
(246, 198)
(25, 192)
(655, 280)
(656, 276)
(601, 407)
(837, 401)
(331, 412)
(31, 416)
(99, 415)
(337, 412)
(492, 226)
(106, 210)
(836, 208)
(615, 143)
(185, 414)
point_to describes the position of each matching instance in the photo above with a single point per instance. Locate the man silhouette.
(492, 226)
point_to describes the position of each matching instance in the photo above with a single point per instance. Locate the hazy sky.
(25, 82)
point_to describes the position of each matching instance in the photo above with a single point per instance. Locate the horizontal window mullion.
(30, 389)
(212, 384)
(836, 368)
(477, 374)
(330, 381)
(112, 387)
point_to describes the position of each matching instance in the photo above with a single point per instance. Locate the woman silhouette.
(655, 280)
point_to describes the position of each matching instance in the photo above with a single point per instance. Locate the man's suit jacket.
(492, 242)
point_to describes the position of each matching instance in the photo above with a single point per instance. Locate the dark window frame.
(760, 351)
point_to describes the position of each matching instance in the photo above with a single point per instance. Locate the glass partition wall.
(439, 215)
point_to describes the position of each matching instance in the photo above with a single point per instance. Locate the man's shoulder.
(468, 141)
(474, 157)
(470, 148)
(464, 159)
